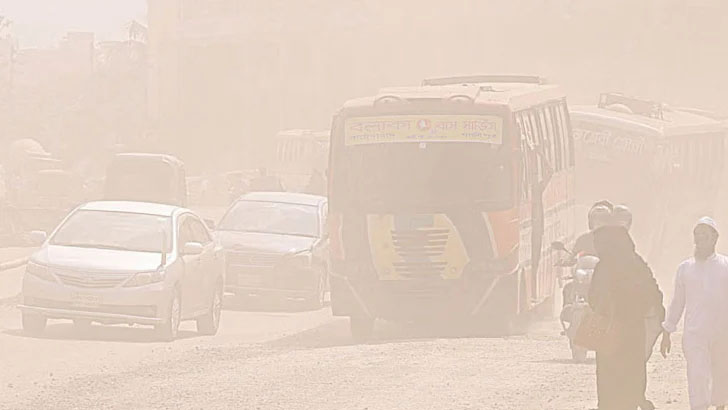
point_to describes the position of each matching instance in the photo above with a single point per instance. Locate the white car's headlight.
(39, 271)
(144, 278)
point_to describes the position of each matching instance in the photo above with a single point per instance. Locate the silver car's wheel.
(169, 330)
(318, 298)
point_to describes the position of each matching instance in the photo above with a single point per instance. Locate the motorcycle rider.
(600, 215)
(622, 215)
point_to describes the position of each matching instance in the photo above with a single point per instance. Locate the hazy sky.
(42, 23)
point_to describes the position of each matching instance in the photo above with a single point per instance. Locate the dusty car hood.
(264, 242)
(97, 259)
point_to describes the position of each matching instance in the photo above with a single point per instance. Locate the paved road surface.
(31, 368)
(301, 360)
(298, 360)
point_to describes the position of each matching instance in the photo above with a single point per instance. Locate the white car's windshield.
(272, 217)
(115, 230)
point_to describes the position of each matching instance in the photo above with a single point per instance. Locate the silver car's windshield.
(115, 230)
(272, 217)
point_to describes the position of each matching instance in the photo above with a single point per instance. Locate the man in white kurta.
(701, 292)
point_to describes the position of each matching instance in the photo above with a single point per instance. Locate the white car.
(126, 262)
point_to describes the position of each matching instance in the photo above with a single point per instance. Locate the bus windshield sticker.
(486, 129)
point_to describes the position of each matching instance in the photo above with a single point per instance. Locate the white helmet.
(599, 216)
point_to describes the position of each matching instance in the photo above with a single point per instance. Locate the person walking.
(623, 289)
(701, 292)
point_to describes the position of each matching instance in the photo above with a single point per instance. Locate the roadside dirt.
(321, 369)
(48, 369)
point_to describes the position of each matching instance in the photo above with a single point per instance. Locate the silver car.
(126, 262)
(277, 246)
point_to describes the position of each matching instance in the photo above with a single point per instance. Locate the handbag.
(598, 332)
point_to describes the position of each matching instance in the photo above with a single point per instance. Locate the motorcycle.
(575, 295)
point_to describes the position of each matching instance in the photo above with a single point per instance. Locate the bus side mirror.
(558, 246)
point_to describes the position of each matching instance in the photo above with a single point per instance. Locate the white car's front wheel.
(169, 330)
(210, 322)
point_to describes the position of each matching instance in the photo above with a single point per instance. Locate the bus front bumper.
(490, 294)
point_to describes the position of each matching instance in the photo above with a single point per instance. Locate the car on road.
(120, 262)
(158, 178)
(276, 245)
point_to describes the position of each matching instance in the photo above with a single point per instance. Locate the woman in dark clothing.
(623, 288)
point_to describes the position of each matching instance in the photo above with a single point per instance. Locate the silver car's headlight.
(39, 271)
(144, 278)
(298, 259)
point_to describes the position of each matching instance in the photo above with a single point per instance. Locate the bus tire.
(519, 324)
(361, 327)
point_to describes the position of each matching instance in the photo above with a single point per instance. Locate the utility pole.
(7, 65)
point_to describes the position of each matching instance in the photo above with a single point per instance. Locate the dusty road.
(297, 360)
(301, 360)
(39, 372)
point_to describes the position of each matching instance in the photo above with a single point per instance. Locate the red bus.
(432, 191)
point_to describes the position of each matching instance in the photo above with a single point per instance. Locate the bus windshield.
(427, 162)
(428, 176)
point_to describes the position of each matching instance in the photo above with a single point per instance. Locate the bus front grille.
(420, 252)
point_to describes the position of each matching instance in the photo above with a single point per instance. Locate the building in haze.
(235, 72)
(226, 75)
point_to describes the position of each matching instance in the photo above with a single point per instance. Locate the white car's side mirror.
(192, 249)
(210, 224)
(38, 237)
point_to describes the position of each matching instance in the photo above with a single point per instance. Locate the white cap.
(706, 220)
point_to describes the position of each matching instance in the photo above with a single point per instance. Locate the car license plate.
(246, 279)
(85, 300)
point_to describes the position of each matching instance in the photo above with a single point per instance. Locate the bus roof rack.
(637, 106)
(476, 79)
(705, 113)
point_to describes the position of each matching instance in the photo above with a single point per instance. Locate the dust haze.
(359, 204)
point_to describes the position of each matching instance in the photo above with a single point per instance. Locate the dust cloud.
(361, 204)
